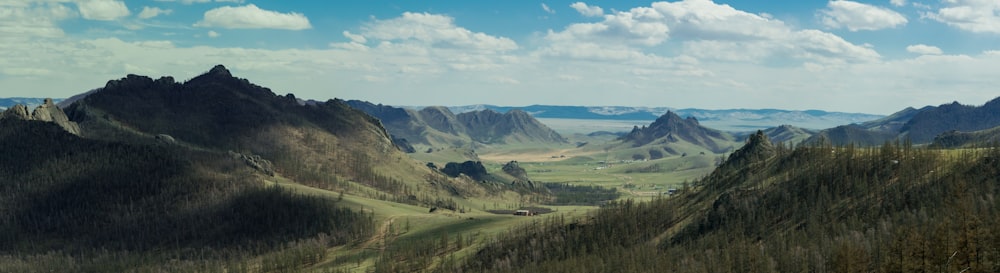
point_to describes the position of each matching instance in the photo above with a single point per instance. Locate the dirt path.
(381, 233)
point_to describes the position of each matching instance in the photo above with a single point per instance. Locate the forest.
(774, 208)
(115, 207)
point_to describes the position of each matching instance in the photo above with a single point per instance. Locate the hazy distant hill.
(918, 125)
(728, 119)
(436, 126)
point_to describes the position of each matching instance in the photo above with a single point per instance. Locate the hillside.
(774, 209)
(920, 126)
(959, 139)
(788, 134)
(84, 205)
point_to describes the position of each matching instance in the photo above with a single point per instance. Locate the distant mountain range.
(439, 126)
(727, 119)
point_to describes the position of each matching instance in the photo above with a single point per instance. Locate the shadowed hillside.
(770, 208)
(86, 204)
(920, 126)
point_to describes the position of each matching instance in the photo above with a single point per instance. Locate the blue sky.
(854, 56)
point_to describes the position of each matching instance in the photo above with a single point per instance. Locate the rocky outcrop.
(758, 148)
(515, 170)
(473, 169)
(256, 162)
(47, 112)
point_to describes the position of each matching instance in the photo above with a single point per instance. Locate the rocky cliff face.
(47, 112)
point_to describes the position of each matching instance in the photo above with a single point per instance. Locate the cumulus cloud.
(434, 30)
(150, 12)
(856, 16)
(547, 9)
(213, 34)
(898, 3)
(585, 10)
(103, 10)
(188, 2)
(970, 15)
(706, 30)
(252, 17)
(924, 49)
(33, 20)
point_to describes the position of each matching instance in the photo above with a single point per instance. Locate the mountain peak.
(220, 70)
(757, 148)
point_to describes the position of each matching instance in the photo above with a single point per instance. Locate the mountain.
(488, 126)
(438, 126)
(726, 119)
(671, 128)
(920, 126)
(925, 125)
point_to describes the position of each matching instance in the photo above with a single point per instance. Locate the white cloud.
(252, 17)
(585, 10)
(434, 30)
(547, 9)
(706, 30)
(103, 10)
(898, 3)
(33, 20)
(150, 12)
(213, 34)
(856, 16)
(188, 2)
(355, 37)
(982, 16)
(924, 49)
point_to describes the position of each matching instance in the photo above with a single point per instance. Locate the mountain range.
(725, 119)
(439, 126)
(919, 126)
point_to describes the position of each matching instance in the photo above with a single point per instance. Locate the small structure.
(671, 191)
(523, 212)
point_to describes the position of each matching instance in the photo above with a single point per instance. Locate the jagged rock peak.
(220, 70)
(757, 148)
(47, 112)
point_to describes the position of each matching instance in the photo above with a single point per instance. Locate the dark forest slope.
(774, 209)
(60, 193)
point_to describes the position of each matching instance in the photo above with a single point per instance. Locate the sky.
(849, 56)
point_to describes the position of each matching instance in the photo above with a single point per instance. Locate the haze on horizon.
(847, 56)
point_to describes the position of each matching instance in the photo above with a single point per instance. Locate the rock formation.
(47, 112)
